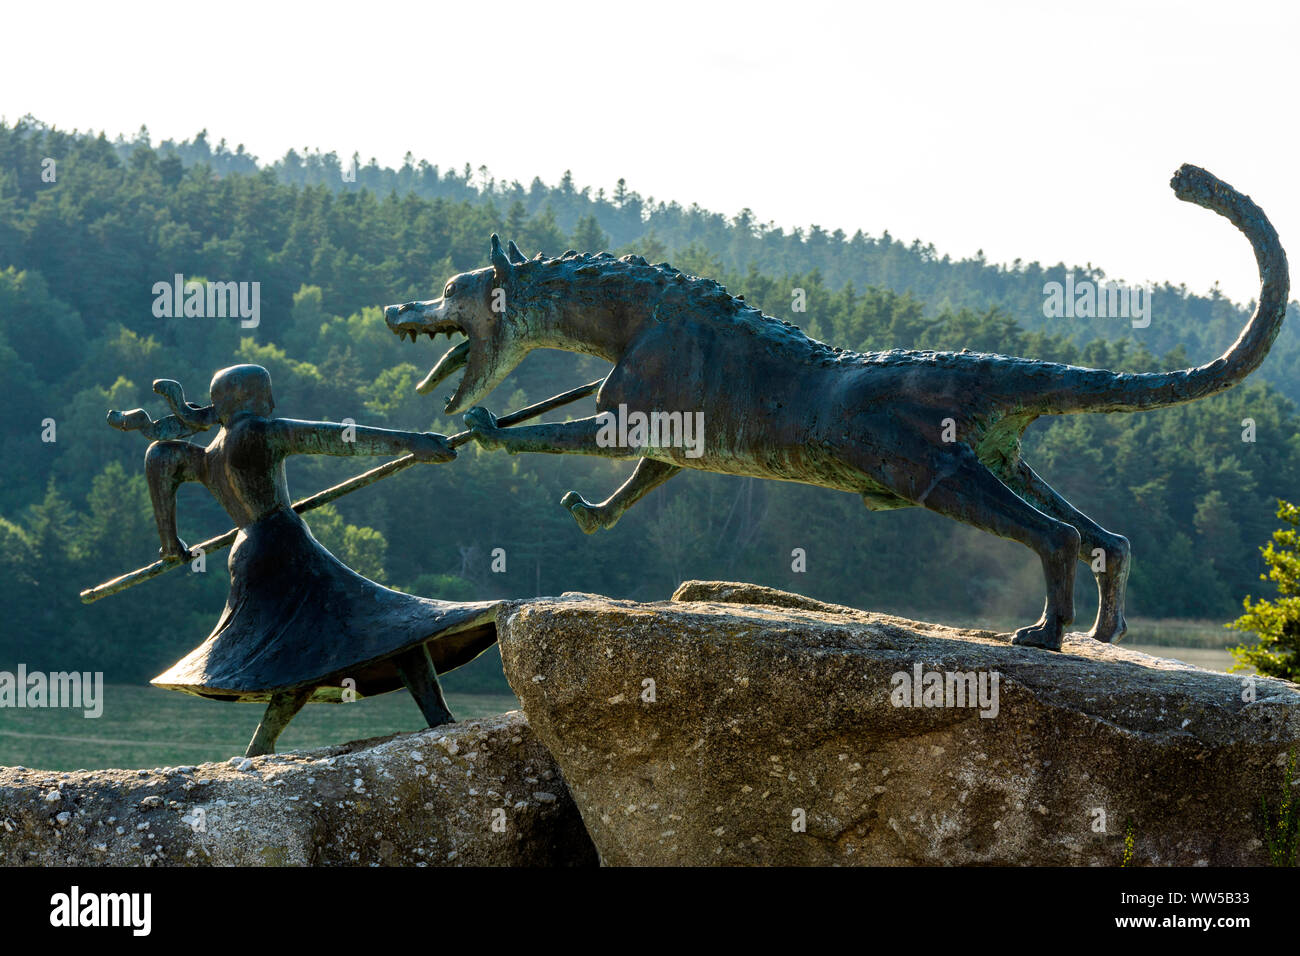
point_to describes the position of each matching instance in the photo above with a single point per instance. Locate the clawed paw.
(1039, 635)
(583, 512)
(176, 551)
(483, 424)
(1108, 634)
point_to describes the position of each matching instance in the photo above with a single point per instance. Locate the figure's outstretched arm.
(331, 438)
(168, 465)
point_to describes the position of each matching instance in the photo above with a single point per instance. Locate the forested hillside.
(79, 257)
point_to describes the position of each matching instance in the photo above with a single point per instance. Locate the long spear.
(132, 578)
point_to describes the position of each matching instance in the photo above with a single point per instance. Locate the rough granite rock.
(428, 798)
(766, 717)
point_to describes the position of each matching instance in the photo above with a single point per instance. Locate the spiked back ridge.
(604, 277)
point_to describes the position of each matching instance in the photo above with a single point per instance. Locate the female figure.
(298, 624)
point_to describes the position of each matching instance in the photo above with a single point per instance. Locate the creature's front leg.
(585, 436)
(649, 474)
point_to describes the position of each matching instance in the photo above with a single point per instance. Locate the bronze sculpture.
(899, 428)
(174, 426)
(297, 622)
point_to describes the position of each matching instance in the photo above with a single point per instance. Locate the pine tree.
(588, 236)
(1276, 623)
(516, 218)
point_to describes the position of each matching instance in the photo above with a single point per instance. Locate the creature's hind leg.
(972, 494)
(649, 475)
(1112, 577)
(282, 709)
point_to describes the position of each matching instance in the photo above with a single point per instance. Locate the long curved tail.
(1099, 390)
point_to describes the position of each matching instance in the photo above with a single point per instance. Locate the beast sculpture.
(899, 428)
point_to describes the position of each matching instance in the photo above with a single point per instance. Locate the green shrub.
(1276, 623)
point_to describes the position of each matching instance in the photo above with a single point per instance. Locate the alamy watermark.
(77, 690)
(924, 688)
(127, 910)
(208, 300)
(1086, 299)
(636, 429)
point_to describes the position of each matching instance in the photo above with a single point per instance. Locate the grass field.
(1184, 633)
(1211, 658)
(147, 727)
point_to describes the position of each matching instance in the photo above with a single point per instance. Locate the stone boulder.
(787, 731)
(478, 793)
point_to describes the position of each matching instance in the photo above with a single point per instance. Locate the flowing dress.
(296, 616)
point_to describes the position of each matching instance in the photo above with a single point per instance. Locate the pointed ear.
(500, 264)
(513, 252)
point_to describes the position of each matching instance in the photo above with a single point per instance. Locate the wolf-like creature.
(899, 428)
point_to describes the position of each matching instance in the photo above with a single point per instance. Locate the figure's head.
(242, 388)
(477, 305)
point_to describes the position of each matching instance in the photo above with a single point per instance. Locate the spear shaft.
(132, 578)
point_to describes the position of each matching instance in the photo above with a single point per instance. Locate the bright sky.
(1031, 130)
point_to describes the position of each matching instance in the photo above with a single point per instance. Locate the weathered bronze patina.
(899, 428)
(173, 426)
(298, 625)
